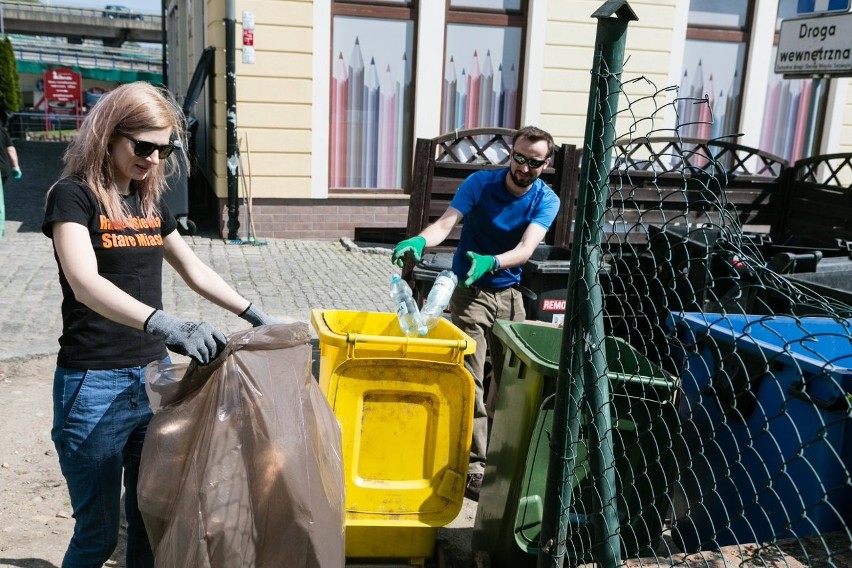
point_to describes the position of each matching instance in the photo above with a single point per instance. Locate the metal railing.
(37, 8)
(94, 57)
(38, 125)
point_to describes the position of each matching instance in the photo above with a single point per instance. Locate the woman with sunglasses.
(111, 232)
(506, 213)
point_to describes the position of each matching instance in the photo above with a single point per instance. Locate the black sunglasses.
(144, 149)
(531, 162)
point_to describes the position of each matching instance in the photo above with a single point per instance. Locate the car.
(120, 12)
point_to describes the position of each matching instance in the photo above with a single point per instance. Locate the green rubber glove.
(414, 245)
(479, 265)
(16, 173)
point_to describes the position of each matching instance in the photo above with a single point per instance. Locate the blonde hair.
(130, 108)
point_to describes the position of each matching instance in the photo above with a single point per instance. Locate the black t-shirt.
(131, 258)
(5, 159)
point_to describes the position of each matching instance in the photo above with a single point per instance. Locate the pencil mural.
(787, 117)
(705, 110)
(370, 104)
(480, 77)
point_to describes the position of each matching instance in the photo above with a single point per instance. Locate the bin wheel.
(186, 226)
(481, 559)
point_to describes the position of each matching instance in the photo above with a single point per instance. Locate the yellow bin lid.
(406, 427)
(354, 334)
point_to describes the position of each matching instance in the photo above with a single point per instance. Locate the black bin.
(771, 245)
(832, 280)
(545, 274)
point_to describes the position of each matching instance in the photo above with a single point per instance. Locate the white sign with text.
(820, 45)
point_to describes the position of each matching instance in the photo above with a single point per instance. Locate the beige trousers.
(474, 310)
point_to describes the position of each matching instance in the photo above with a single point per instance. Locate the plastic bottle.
(439, 298)
(407, 311)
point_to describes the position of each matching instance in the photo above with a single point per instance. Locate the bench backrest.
(817, 203)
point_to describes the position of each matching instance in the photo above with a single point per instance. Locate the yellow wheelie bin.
(405, 407)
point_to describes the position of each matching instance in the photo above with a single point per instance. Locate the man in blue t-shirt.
(507, 213)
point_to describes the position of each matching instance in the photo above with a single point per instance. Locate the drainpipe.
(164, 40)
(231, 116)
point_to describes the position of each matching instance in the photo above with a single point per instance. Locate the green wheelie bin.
(509, 514)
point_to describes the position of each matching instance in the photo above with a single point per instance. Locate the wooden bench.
(817, 200)
(682, 181)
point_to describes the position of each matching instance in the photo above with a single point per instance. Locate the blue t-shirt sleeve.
(467, 194)
(547, 210)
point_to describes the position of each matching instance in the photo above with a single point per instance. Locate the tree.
(10, 86)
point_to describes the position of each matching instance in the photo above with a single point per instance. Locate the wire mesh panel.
(725, 421)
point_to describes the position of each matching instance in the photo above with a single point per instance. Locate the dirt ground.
(35, 513)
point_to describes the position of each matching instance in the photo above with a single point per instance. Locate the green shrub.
(10, 87)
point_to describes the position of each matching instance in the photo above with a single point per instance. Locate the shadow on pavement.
(27, 563)
(41, 164)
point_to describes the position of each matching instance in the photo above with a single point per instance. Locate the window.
(483, 63)
(371, 94)
(714, 66)
(791, 123)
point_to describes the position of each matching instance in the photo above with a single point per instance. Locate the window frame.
(728, 34)
(495, 18)
(374, 9)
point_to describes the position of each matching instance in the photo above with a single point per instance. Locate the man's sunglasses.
(144, 149)
(521, 160)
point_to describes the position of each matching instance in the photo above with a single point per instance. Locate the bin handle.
(459, 346)
(829, 403)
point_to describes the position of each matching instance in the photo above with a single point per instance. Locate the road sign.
(816, 6)
(63, 86)
(820, 45)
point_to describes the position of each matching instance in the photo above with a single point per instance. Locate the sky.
(140, 6)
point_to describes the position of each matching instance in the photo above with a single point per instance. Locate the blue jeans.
(99, 424)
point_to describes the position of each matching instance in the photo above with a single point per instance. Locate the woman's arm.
(13, 157)
(200, 277)
(77, 258)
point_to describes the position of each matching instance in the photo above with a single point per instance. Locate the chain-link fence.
(704, 395)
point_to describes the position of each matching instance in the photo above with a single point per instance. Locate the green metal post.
(583, 368)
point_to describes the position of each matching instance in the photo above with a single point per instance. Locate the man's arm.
(431, 236)
(525, 248)
(438, 231)
(480, 264)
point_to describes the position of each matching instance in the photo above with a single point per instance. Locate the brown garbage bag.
(242, 460)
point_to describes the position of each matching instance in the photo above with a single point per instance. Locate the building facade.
(338, 91)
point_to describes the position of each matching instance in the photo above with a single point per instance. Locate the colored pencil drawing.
(480, 77)
(370, 114)
(711, 72)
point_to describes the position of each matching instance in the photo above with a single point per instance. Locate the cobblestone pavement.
(286, 278)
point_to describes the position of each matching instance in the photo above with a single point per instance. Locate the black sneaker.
(474, 484)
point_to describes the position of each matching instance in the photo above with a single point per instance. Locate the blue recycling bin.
(767, 428)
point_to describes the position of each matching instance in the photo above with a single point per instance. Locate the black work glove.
(256, 317)
(196, 339)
